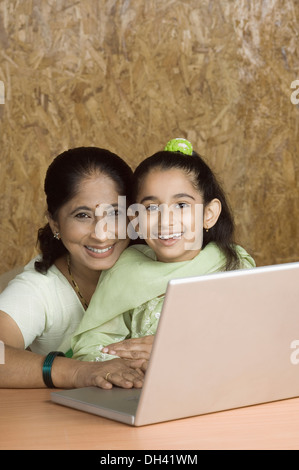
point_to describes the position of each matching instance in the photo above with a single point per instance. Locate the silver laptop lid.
(224, 341)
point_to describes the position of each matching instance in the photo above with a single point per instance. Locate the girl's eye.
(181, 205)
(152, 208)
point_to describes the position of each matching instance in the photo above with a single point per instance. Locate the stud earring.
(207, 229)
(57, 235)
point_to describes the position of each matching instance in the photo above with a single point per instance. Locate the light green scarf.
(135, 279)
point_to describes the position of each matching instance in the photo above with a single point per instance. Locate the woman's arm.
(23, 369)
(10, 333)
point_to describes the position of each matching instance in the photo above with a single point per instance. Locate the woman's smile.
(100, 252)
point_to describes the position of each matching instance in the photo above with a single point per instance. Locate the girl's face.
(173, 218)
(78, 225)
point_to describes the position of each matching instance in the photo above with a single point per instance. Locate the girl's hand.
(134, 348)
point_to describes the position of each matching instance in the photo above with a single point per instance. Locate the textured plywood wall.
(131, 74)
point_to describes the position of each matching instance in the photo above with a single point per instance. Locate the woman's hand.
(23, 369)
(125, 374)
(135, 348)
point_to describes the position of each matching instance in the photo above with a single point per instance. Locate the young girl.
(188, 229)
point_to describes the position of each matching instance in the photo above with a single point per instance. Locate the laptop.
(224, 341)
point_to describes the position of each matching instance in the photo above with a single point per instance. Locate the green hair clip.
(179, 145)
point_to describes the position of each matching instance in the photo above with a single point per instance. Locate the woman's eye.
(82, 215)
(114, 213)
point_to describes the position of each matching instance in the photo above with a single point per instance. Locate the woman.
(41, 308)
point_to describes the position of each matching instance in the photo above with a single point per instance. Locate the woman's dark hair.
(202, 177)
(62, 181)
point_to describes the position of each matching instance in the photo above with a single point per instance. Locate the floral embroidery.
(145, 318)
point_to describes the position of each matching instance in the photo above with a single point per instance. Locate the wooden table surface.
(29, 420)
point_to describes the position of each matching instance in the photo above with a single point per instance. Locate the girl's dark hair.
(202, 177)
(62, 181)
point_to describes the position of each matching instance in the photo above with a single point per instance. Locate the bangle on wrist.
(47, 367)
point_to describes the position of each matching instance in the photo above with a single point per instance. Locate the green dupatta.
(135, 279)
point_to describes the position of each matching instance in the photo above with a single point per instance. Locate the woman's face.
(89, 238)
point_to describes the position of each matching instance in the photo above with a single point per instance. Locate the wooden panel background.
(131, 74)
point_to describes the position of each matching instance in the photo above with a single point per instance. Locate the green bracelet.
(47, 367)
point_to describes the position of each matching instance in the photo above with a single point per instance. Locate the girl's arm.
(135, 348)
(88, 343)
